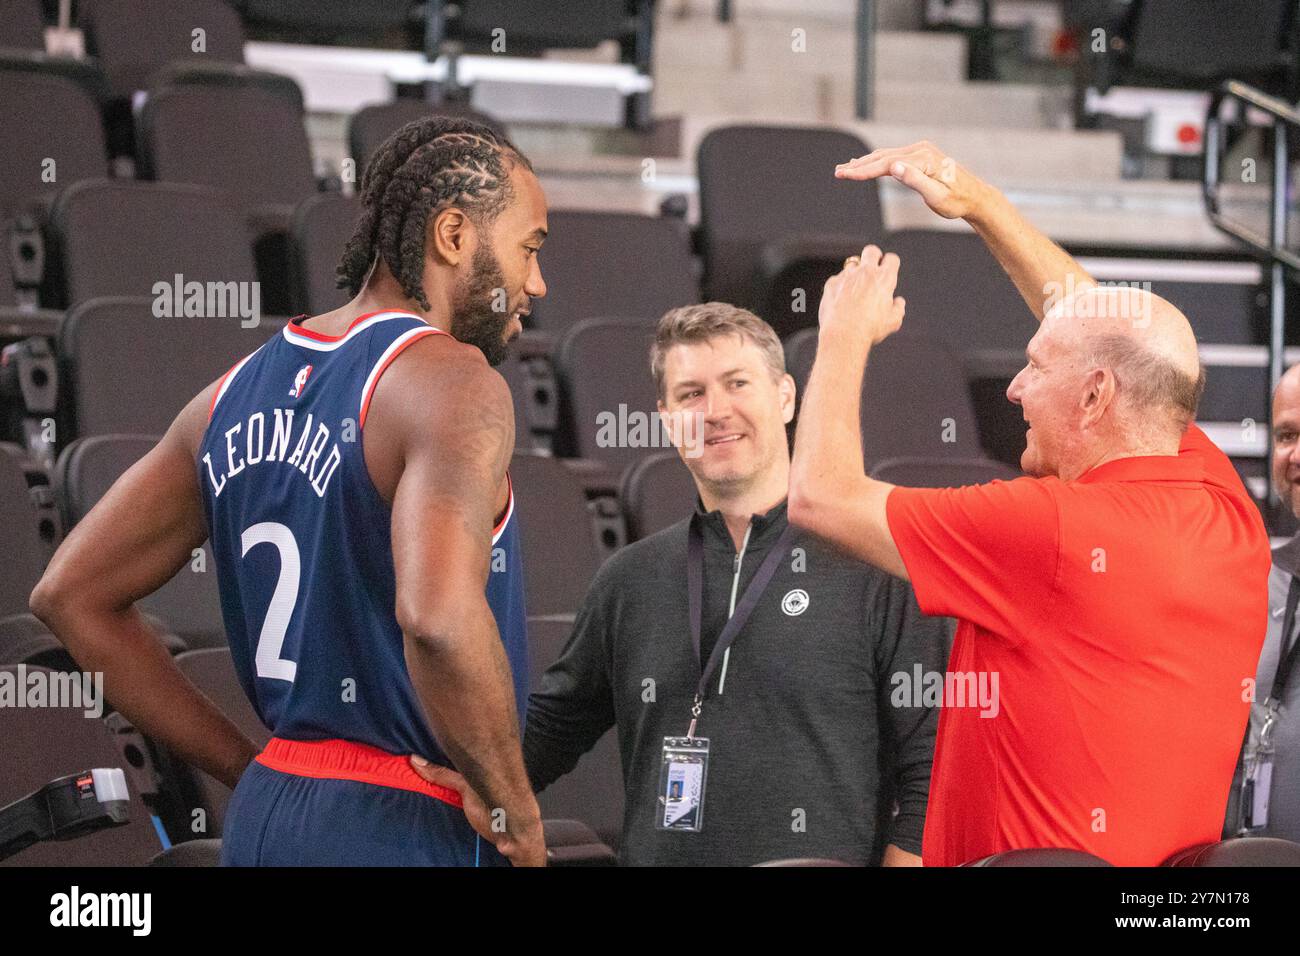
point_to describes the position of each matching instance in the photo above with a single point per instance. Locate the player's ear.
(449, 237)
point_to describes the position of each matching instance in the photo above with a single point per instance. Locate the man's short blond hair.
(692, 324)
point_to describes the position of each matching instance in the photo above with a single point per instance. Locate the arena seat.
(25, 640)
(212, 671)
(957, 293)
(22, 550)
(190, 853)
(614, 265)
(128, 372)
(133, 39)
(761, 186)
(40, 744)
(915, 401)
(560, 549)
(373, 124)
(22, 26)
(325, 20)
(603, 367)
(1044, 856)
(149, 228)
(42, 157)
(593, 791)
(656, 492)
(232, 128)
(573, 843)
(942, 472)
(529, 372)
(804, 862)
(321, 227)
(189, 604)
(1239, 851)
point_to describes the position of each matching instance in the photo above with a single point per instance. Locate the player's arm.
(140, 534)
(452, 420)
(1042, 271)
(830, 492)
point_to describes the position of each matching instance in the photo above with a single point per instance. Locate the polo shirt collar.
(765, 527)
(1147, 468)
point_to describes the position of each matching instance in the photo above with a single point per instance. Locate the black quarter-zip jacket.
(808, 756)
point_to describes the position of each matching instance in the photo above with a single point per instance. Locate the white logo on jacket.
(795, 602)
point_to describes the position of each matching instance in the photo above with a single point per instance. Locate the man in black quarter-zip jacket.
(815, 723)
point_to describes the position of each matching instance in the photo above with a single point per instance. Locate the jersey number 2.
(271, 641)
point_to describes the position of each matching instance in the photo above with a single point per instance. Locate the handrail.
(1272, 246)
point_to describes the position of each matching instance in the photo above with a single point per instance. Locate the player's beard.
(474, 321)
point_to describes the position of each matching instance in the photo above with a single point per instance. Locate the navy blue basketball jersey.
(302, 546)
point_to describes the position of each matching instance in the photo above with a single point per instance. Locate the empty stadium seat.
(373, 124)
(189, 604)
(593, 791)
(42, 157)
(155, 231)
(23, 552)
(21, 27)
(322, 225)
(529, 372)
(133, 39)
(1046, 856)
(942, 473)
(324, 21)
(560, 550)
(1240, 851)
(615, 265)
(608, 397)
(769, 199)
(41, 744)
(190, 853)
(656, 492)
(213, 672)
(128, 372)
(25, 640)
(231, 128)
(957, 293)
(915, 401)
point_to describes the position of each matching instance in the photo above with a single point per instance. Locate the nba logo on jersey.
(300, 381)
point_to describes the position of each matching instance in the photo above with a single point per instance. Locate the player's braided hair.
(426, 166)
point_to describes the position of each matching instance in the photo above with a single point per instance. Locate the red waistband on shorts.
(348, 760)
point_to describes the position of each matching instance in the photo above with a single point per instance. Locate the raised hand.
(859, 300)
(947, 188)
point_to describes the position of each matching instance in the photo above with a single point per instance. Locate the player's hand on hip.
(859, 300)
(526, 851)
(947, 188)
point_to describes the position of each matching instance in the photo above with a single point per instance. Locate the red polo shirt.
(1118, 617)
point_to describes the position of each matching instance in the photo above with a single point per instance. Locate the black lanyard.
(695, 579)
(1286, 659)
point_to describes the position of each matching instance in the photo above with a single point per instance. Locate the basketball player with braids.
(351, 476)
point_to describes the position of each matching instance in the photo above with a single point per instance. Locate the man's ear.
(1098, 395)
(788, 391)
(451, 237)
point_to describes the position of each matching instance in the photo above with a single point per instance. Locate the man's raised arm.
(451, 418)
(1042, 271)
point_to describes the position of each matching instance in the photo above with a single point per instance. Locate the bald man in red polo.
(1119, 594)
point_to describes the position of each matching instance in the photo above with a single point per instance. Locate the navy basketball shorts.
(339, 803)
